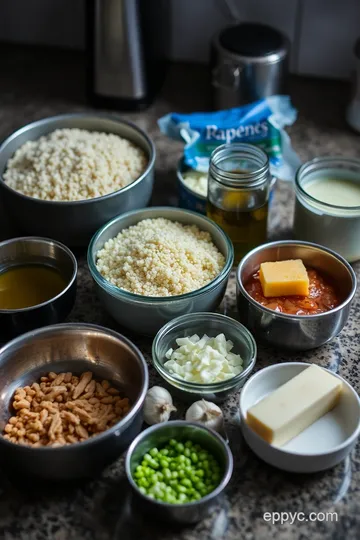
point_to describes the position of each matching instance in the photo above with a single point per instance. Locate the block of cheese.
(284, 278)
(295, 405)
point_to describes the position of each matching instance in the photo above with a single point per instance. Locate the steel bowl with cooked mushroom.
(71, 400)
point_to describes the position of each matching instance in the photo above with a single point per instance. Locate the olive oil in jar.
(238, 194)
(246, 228)
(29, 285)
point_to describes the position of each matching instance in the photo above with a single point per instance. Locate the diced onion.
(203, 360)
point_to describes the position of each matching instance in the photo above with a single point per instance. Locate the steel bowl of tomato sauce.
(296, 323)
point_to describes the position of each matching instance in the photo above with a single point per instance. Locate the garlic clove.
(158, 405)
(206, 413)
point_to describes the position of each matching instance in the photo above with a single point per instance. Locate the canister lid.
(253, 40)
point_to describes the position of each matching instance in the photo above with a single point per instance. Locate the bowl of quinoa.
(65, 176)
(154, 264)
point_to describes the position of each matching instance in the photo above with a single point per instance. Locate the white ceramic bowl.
(319, 447)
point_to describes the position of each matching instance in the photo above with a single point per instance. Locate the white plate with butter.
(321, 445)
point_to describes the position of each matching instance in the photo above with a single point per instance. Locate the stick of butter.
(284, 278)
(294, 406)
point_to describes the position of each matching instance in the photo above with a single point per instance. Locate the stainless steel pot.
(76, 348)
(35, 250)
(74, 222)
(295, 332)
(248, 62)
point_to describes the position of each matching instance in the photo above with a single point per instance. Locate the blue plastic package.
(260, 123)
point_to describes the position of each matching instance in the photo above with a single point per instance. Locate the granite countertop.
(36, 84)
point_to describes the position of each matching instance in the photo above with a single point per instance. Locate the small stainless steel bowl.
(76, 348)
(74, 222)
(211, 324)
(158, 436)
(189, 199)
(295, 332)
(35, 250)
(145, 314)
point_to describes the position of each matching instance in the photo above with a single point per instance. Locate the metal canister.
(249, 62)
(188, 199)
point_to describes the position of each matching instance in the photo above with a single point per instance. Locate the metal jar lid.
(250, 42)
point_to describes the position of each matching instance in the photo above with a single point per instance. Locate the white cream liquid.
(334, 191)
(337, 226)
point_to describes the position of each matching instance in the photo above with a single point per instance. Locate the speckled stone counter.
(34, 86)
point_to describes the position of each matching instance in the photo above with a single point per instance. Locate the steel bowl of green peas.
(177, 470)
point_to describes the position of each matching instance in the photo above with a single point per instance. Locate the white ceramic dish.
(322, 445)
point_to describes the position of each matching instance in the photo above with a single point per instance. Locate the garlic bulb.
(206, 413)
(158, 405)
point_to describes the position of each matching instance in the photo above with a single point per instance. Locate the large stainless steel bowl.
(295, 332)
(44, 251)
(76, 348)
(158, 436)
(74, 222)
(145, 314)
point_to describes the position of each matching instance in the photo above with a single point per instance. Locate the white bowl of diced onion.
(204, 355)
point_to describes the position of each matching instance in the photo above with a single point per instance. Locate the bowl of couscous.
(154, 264)
(65, 176)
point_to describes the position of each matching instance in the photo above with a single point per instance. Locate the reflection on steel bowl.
(295, 332)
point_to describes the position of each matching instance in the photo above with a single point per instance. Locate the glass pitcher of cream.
(327, 207)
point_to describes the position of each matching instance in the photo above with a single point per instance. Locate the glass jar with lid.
(327, 207)
(238, 194)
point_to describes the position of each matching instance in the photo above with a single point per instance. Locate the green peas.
(180, 447)
(186, 482)
(215, 477)
(144, 483)
(179, 472)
